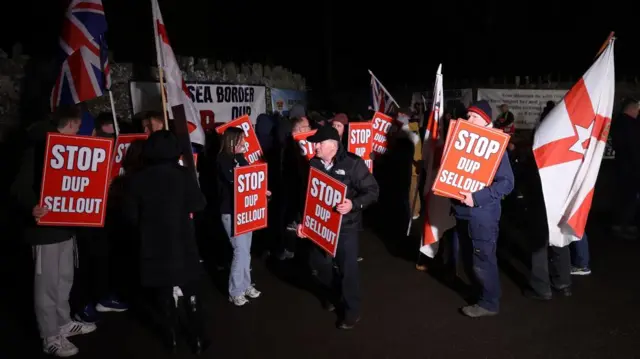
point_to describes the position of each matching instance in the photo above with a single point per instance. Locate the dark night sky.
(477, 38)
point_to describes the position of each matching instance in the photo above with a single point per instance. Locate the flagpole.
(113, 111)
(606, 43)
(383, 88)
(154, 4)
(164, 98)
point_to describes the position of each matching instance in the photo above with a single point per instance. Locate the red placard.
(122, 145)
(75, 180)
(472, 156)
(306, 147)
(360, 141)
(253, 152)
(380, 125)
(250, 198)
(320, 220)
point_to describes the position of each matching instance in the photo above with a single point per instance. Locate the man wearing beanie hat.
(477, 226)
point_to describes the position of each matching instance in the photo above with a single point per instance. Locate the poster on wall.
(525, 104)
(283, 100)
(216, 103)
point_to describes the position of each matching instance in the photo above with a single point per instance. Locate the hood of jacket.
(161, 147)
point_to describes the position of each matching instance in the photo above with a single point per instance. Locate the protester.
(152, 121)
(362, 191)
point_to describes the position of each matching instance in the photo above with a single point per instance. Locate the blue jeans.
(580, 253)
(240, 273)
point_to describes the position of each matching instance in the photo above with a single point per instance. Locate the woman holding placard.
(231, 156)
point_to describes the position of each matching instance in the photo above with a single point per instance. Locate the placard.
(321, 222)
(250, 198)
(75, 179)
(472, 156)
(380, 126)
(122, 146)
(360, 141)
(253, 152)
(306, 148)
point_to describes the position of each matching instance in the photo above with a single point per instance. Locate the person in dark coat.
(477, 226)
(231, 156)
(160, 200)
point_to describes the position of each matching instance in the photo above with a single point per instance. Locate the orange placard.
(306, 147)
(250, 198)
(75, 180)
(253, 152)
(321, 222)
(381, 125)
(360, 143)
(122, 145)
(472, 156)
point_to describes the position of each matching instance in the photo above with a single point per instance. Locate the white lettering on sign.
(461, 182)
(82, 159)
(250, 216)
(380, 138)
(73, 205)
(379, 149)
(74, 183)
(250, 201)
(245, 126)
(468, 165)
(121, 151)
(318, 228)
(325, 193)
(360, 136)
(250, 181)
(322, 213)
(360, 151)
(381, 125)
(479, 146)
(306, 148)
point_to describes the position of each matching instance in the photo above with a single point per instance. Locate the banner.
(75, 180)
(321, 222)
(216, 103)
(250, 198)
(381, 125)
(122, 146)
(360, 141)
(472, 156)
(525, 104)
(306, 147)
(253, 150)
(283, 100)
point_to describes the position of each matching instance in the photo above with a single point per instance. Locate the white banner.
(216, 103)
(525, 104)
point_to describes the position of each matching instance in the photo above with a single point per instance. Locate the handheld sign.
(250, 198)
(75, 180)
(380, 125)
(471, 160)
(360, 141)
(122, 145)
(253, 152)
(321, 222)
(441, 153)
(306, 147)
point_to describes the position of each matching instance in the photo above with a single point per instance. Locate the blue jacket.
(487, 200)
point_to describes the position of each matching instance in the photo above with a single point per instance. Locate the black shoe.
(528, 293)
(564, 292)
(328, 306)
(195, 326)
(348, 324)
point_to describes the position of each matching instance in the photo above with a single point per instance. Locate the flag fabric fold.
(437, 218)
(84, 69)
(568, 148)
(175, 87)
(381, 99)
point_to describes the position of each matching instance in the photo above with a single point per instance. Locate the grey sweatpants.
(52, 284)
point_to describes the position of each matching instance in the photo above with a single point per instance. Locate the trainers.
(76, 328)
(476, 311)
(59, 346)
(580, 271)
(88, 314)
(239, 300)
(252, 292)
(111, 305)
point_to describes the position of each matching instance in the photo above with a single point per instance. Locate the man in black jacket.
(362, 191)
(53, 247)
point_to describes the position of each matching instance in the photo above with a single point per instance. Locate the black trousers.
(344, 286)
(550, 268)
(91, 279)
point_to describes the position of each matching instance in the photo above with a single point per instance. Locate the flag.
(438, 218)
(84, 70)
(176, 89)
(381, 100)
(568, 148)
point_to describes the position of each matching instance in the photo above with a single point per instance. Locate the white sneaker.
(238, 301)
(252, 292)
(76, 328)
(59, 346)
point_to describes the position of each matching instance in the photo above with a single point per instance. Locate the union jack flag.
(381, 100)
(84, 71)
